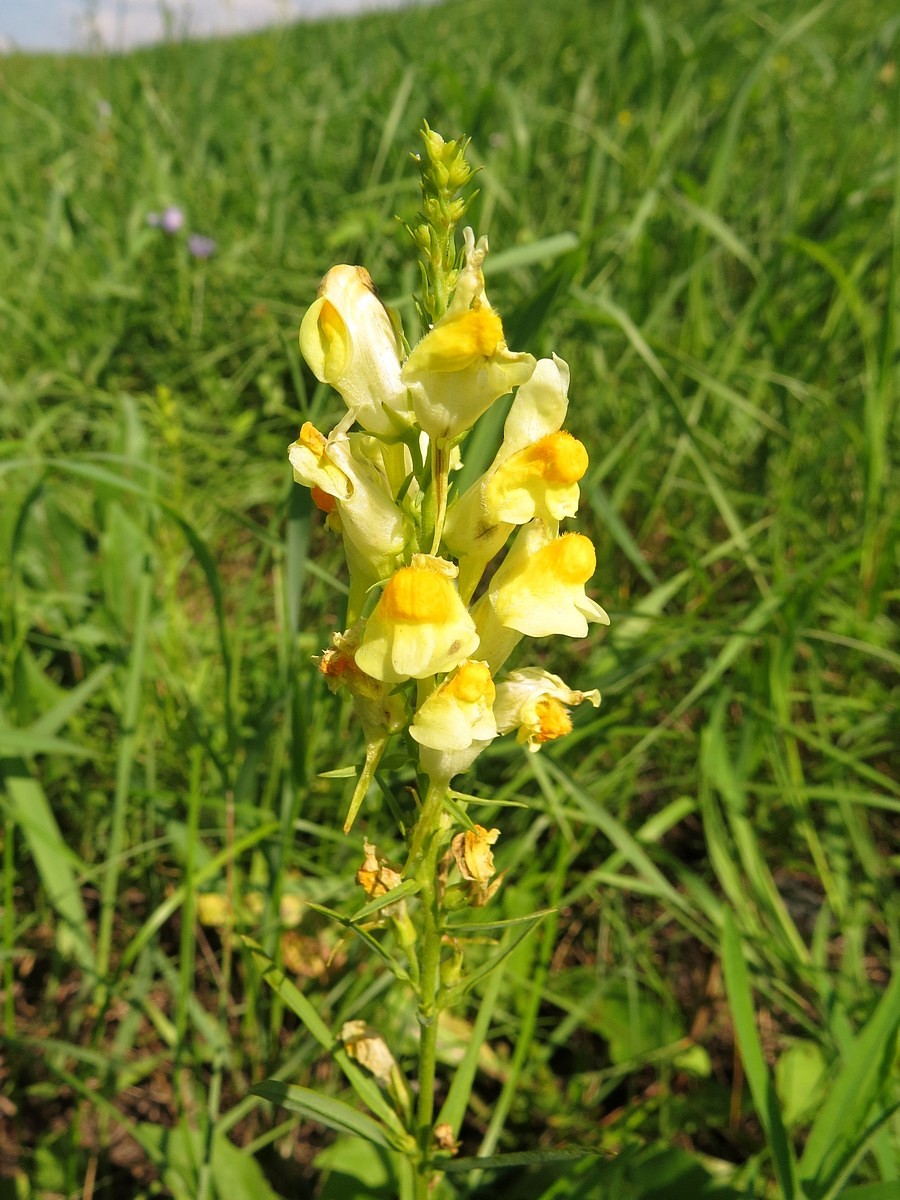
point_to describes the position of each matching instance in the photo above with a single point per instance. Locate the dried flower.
(535, 703)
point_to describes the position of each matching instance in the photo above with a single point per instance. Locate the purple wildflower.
(172, 219)
(201, 246)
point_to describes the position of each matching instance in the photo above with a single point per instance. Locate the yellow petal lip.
(557, 458)
(571, 558)
(472, 682)
(459, 341)
(553, 720)
(419, 597)
(349, 340)
(536, 703)
(325, 340)
(311, 439)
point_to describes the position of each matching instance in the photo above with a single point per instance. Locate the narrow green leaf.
(872, 1191)
(844, 1117)
(719, 772)
(127, 744)
(364, 1086)
(52, 857)
(350, 772)
(50, 722)
(409, 887)
(618, 530)
(540, 251)
(718, 229)
(334, 1113)
(351, 923)
(456, 1105)
(392, 124)
(469, 981)
(504, 923)
(25, 741)
(522, 1158)
(740, 999)
(602, 819)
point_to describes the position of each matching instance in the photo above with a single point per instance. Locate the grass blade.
(52, 858)
(364, 1086)
(334, 1113)
(762, 1088)
(845, 1116)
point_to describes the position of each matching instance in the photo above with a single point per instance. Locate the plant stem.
(424, 854)
(428, 821)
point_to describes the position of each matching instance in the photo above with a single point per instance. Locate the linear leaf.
(469, 981)
(50, 722)
(334, 1113)
(409, 887)
(522, 1158)
(740, 999)
(25, 741)
(52, 857)
(364, 1086)
(845, 1114)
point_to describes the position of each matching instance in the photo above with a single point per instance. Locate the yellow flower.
(537, 591)
(419, 626)
(540, 480)
(350, 342)
(534, 703)
(374, 528)
(535, 474)
(462, 365)
(456, 722)
(314, 467)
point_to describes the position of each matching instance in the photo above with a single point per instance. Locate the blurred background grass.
(696, 204)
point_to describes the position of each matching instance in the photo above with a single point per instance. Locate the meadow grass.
(698, 206)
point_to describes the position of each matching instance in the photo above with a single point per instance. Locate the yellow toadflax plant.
(422, 660)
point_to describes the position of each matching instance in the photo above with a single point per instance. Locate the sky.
(121, 24)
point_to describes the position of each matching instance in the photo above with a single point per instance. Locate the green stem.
(427, 823)
(424, 857)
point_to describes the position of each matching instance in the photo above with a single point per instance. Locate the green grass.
(708, 1006)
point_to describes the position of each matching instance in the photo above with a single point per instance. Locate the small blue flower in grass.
(201, 246)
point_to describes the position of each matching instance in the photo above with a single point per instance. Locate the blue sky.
(119, 24)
